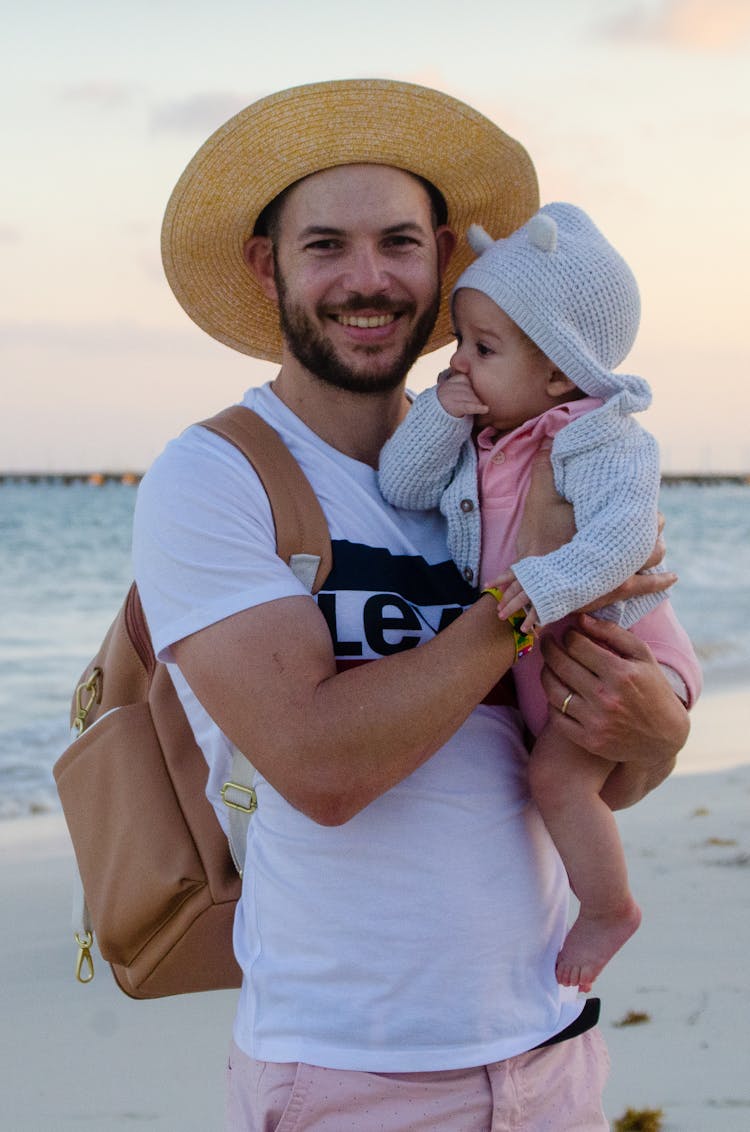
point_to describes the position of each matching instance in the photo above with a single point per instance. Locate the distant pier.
(99, 479)
(95, 479)
(708, 478)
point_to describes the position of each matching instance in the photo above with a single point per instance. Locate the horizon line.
(130, 477)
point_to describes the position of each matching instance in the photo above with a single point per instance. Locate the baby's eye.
(483, 351)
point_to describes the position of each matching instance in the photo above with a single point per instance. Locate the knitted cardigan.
(604, 463)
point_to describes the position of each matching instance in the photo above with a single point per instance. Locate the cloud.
(200, 113)
(702, 25)
(9, 234)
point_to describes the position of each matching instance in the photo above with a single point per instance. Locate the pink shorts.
(555, 1089)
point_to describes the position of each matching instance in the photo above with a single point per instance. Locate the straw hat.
(485, 176)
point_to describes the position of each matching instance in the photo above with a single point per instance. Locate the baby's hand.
(514, 600)
(457, 396)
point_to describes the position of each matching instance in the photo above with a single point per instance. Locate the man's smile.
(363, 321)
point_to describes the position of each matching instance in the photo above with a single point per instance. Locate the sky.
(636, 110)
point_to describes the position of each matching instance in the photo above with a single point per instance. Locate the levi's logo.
(376, 603)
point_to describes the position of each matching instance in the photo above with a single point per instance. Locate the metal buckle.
(248, 807)
(84, 964)
(87, 694)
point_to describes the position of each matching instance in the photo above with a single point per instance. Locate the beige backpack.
(159, 879)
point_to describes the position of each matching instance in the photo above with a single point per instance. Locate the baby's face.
(509, 374)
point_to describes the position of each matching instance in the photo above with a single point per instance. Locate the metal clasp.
(248, 807)
(91, 689)
(85, 964)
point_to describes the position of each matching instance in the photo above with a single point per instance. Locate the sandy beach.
(78, 1057)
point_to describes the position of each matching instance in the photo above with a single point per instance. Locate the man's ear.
(258, 255)
(446, 243)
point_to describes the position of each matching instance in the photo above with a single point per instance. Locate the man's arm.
(614, 489)
(331, 742)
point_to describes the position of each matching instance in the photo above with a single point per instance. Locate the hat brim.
(485, 176)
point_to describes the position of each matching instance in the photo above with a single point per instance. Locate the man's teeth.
(365, 322)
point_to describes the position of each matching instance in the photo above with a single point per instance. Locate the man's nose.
(367, 271)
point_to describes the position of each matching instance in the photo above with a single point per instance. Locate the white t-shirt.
(422, 934)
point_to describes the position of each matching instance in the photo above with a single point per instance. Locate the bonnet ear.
(479, 240)
(542, 232)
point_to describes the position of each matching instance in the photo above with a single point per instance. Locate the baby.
(542, 318)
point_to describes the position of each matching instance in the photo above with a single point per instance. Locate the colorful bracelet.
(524, 642)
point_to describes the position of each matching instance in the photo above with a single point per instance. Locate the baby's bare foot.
(591, 943)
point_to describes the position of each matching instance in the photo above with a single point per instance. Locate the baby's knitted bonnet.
(570, 292)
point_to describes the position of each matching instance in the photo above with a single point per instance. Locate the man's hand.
(547, 521)
(608, 695)
(456, 395)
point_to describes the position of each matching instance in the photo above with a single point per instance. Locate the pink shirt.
(504, 473)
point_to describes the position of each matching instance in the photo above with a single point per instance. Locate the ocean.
(65, 567)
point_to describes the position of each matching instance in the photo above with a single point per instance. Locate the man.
(402, 906)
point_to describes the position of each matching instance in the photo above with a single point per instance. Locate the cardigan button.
(466, 506)
(498, 458)
(468, 574)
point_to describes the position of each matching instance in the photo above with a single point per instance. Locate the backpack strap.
(302, 540)
(301, 527)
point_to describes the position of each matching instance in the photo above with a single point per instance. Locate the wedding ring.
(566, 703)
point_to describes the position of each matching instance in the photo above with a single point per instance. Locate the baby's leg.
(566, 782)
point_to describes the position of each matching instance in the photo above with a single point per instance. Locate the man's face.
(357, 270)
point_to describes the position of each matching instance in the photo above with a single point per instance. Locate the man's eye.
(323, 245)
(400, 242)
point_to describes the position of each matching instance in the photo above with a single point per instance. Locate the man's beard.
(318, 355)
